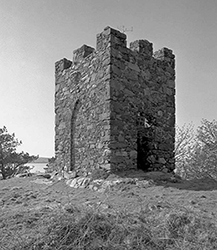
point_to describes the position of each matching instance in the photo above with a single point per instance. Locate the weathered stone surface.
(79, 182)
(101, 185)
(118, 100)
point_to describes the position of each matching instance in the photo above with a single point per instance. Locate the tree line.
(195, 152)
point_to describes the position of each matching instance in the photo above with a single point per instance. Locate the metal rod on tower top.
(124, 29)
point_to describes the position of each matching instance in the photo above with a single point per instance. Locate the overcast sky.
(34, 34)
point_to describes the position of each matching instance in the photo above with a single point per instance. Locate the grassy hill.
(36, 213)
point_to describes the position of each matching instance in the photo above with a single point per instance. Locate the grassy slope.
(162, 216)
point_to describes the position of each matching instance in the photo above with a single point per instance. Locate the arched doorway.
(73, 132)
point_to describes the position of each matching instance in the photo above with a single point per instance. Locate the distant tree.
(184, 143)
(196, 151)
(207, 155)
(11, 162)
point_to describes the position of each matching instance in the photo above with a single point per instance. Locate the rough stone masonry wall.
(82, 110)
(115, 106)
(143, 106)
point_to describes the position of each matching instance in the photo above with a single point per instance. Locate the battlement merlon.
(82, 52)
(143, 47)
(165, 54)
(110, 37)
(62, 65)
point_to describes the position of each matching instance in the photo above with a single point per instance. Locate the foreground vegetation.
(172, 228)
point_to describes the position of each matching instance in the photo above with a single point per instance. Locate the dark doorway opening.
(145, 138)
(142, 151)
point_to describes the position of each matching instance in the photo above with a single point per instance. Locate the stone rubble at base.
(102, 185)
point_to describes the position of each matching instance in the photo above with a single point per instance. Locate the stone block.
(106, 166)
(162, 161)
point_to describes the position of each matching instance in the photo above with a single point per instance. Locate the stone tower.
(115, 106)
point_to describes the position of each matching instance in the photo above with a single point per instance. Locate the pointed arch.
(73, 130)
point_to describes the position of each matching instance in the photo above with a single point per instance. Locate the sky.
(35, 34)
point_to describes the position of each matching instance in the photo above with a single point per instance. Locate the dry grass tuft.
(170, 228)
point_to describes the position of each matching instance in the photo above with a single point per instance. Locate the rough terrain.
(36, 192)
(25, 200)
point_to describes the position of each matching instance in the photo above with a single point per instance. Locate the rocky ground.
(132, 191)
